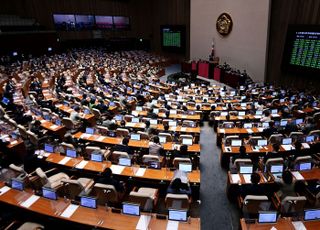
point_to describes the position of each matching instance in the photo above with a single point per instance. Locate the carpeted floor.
(216, 212)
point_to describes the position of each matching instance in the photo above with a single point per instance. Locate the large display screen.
(84, 22)
(173, 38)
(302, 50)
(104, 22)
(121, 22)
(64, 21)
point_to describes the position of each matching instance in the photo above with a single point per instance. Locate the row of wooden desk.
(100, 217)
(135, 171)
(169, 146)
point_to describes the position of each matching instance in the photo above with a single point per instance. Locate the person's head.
(156, 139)
(183, 149)
(176, 183)
(122, 123)
(242, 150)
(228, 117)
(298, 146)
(287, 177)
(147, 124)
(255, 178)
(77, 109)
(166, 126)
(276, 147)
(267, 113)
(37, 123)
(271, 123)
(108, 172)
(125, 141)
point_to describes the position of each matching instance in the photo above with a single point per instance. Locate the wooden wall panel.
(146, 15)
(284, 13)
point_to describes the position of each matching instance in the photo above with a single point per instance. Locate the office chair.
(72, 188)
(177, 201)
(251, 205)
(117, 154)
(105, 152)
(106, 194)
(23, 132)
(148, 158)
(122, 132)
(297, 136)
(143, 135)
(302, 159)
(102, 130)
(293, 205)
(253, 140)
(178, 160)
(167, 136)
(53, 181)
(70, 125)
(145, 197)
(228, 139)
(33, 139)
(275, 138)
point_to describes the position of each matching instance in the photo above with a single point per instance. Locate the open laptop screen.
(246, 169)
(96, 157)
(310, 138)
(178, 215)
(162, 139)
(153, 122)
(236, 143)
(48, 148)
(262, 142)
(88, 202)
(131, 209)
(276, 168)
(186, 141)
(49, 193)
(135, 137)
(71, 153)
(135, 120)
(247, 125)
(173, 123)
(124, 161)
(312, 214)
(267, 217)
(17, 184)
(286, 141)
(305, 166)
(90, 131)
(185, 167)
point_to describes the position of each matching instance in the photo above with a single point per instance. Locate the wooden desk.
(93, 217)
(163, 174)
(282, 224)
(132, 143)
(88, 117)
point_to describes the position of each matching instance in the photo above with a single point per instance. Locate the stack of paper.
(298, 225)
(249, 131)
(297, 175)
(68, 212)
(117, 169)
(140, 172)
(82, 164)
(235, 178)
(4, 189)
(143, 222)
(30, 201)
(172, 225)
(64, 160)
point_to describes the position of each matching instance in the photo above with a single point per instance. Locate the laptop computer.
(131, 209)
(124, 161)
(49, 193)
(241, 113)
(17, 184)
(236, 143)
(118, 117)
(95, 156)
(262, 142)
(185, 167)
(154, 164)
(48, 148)
(135, 120)
(88, 202)
(162, 139)
(71, 153)
(287, 141)
(186, 141)
(305, 166)
(58, 122)
(153, 121)
(247, 125)
(90, 131)
(283, 123)
(5, 101)
(172, 123)
(276, 170)
(246, 169)
(178, 215)
(310, 138)
(267, 217)
(311, 214)
(135, 136)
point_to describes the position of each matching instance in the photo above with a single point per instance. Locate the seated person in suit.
(75, 116)
(107, 178)
(273, 154)
(271, 130)
(154, 147)
(254, 188)
(123, 147)
(177, 187)
(37, 129)
(266, 116)
(286, 185)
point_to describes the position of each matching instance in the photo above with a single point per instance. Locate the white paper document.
(54, 127)
(4, 189)
(117, 169)
(140, 172)
(69, 211)
(85, 136)
(143, 222)
(101, 138)
(235, 178)
(249, 131)
(247, 178)
(222, 130)
(30, 201)
(183, 129)
(305, 145)
(297, 175)
(260, 129)
(172, 225)
(64, 160)
(288, 147)
(298, 225)
(82, 164)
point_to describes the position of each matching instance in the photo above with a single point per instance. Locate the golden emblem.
(224, 24)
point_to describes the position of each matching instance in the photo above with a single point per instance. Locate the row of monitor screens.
(91, 202)
(264, 142)
(176, 215)
(83, 22)
(98, 157)
(276, 168)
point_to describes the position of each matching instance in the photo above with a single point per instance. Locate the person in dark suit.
(177, 187)
(123, 147)
(273, 154)
(271, 130)
(254, 188)
(107, 178)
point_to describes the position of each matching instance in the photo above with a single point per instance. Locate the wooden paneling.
(284, 13)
